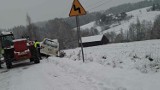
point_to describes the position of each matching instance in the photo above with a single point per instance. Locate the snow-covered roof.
(6, 33)
(55, 40)
(92, 38)
(17, 40)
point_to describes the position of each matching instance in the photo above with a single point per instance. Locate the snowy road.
(108, 67)
(48, 75)
(63, 74)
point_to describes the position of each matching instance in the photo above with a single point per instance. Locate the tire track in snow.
(52, 74)
(81, 76)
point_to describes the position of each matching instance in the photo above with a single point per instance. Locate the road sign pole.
(78, 31)
(79, 36)
(78, 10)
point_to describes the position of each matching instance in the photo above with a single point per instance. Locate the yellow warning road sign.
(77, 9)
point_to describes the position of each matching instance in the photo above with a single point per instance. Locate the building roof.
(17, 40)
(92, 38)
(6, 33)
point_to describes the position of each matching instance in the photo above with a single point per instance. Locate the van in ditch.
(50, 47)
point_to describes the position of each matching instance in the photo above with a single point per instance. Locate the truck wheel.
(9, 64)
(31, 59)
(36, 61)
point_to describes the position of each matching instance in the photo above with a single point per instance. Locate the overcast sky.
(13, 12)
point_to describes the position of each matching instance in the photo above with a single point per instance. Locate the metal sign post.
(77, 10)
(79, 36)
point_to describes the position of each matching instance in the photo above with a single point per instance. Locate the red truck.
(17, 50)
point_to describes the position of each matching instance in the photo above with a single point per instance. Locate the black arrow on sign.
(75, 8)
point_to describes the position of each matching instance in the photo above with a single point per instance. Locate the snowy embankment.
(136, 55)
(134, 66)
(125, 66)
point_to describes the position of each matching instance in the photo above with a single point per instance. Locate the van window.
(51, 43)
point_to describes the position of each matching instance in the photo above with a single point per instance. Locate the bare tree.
(132, 32)
(111, 36)
(156, 28)
(29, 27)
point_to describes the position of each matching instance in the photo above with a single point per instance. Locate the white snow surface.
(122, 66)
(89, 26)
(141, 14)
(92, 38)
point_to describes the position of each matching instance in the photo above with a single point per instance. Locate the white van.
(50, 47)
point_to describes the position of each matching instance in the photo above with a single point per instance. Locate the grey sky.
(13, 12)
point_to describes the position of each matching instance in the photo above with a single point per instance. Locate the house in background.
(94, 40)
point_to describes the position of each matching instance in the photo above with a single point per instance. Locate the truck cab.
(17, 50)
(7, 39)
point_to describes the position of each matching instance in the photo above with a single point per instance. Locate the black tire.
(37, 61)
(9, 63)
(31, 59)
(8, 56)
(0, 64)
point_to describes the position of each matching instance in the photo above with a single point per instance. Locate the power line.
(99, 5)
(96, 3)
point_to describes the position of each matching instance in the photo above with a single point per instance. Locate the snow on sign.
(77, 9)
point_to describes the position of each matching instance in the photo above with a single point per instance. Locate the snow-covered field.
(135, 55)
(125, 66)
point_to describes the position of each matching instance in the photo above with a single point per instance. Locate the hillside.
(141, 14)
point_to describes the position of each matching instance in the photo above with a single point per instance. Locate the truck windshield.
(7, 41)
